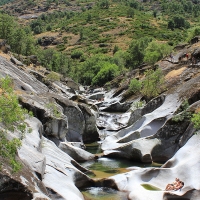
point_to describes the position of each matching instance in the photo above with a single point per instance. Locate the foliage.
(53, 76)
(183, 113)
(53, 109)
(7, 24)
(89, 69)
(153, 83)
(76, 54)
(8, 150)
(156, 51)
(136, 52)
(54, 60)
(12, 116)
(178, 22)
(2, 2)
(196, 120)
(135, 86)
(137, 104)
(192, 32)
(107, 72)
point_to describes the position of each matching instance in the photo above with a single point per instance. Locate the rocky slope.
(66, 116)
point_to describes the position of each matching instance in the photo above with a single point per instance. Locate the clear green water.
(150, 187)
(105, 167)
(102, 193)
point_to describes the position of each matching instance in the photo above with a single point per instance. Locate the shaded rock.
(117, 107)
(90, 133)
(11, 189)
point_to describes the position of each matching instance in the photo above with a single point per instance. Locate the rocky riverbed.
(52, 152)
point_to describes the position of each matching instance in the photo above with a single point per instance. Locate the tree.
(130, 13)
(18, 41)
(107, 72)
(135, 86)
(153, 83)
(156, 51)
(135, 54)
(6, 26)
(104, 4)
(29, 45)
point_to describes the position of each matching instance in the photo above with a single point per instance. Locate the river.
(105, 167)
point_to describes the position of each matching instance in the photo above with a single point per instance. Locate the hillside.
(77, 38)
(70, 36)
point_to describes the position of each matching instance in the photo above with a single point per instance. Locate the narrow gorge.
(68, 116)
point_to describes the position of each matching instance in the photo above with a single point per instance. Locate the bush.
(12, 116)
(53, 76)
(106, 73)
(135, 86)
(54, 110)
(156, 51)
(153, 83)
(196, 120)
(76, 54)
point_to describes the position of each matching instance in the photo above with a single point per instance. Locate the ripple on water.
(103, 193)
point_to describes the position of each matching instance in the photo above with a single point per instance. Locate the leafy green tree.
(135, 54)
(107, 72)
(18, 41)
(7, 25)
(76, 54)
(178, 22)
(192, 32)
(135, 86)
(119, 59)
(156, 51)
(171, 25)
(130, 13)
(87, 70)
(29, 48)
(153, 83)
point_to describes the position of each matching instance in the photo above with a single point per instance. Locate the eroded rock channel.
(56, 163)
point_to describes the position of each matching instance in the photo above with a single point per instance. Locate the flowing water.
(105, 167)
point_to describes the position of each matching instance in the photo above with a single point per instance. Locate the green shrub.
(12, 116)
(156, 51)
(76, 54)
(183, 113)
(153, 83)
(106, 73)
(53, 76)
(135, 86)
(54, 110)
(196, 120)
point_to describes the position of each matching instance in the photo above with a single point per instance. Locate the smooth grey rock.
(61, 176)
(184, 165)
(75, 152)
